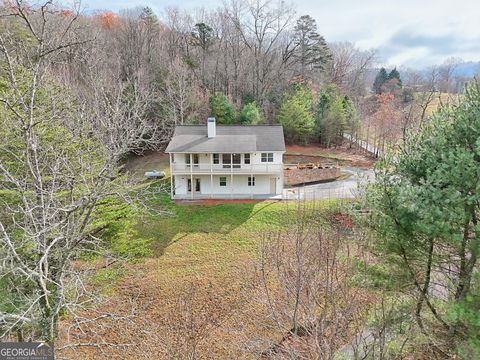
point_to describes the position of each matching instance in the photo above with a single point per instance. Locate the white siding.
(180, 158)
(239, 187)
(180, 185)
(255, 158)
(211, 185)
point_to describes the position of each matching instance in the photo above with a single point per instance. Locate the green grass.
(215, 242)
(210, 242)
(240, 223)
(208, 221)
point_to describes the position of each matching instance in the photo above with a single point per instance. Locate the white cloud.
(372, 23)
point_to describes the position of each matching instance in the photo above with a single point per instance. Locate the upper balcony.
(266, 168)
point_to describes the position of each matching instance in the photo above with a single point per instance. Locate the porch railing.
(222, 168)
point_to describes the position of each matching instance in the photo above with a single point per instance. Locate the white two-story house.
(226, 161)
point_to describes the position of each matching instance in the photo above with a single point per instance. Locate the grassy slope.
(210, 251)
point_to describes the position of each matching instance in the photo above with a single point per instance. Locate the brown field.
(341, 156)
(200, 291)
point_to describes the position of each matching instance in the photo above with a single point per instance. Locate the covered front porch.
(231, 186)
(233, 197)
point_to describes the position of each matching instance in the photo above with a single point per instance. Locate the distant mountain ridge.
(467, 69)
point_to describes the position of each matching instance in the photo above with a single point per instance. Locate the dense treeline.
(68, 116)
(237, 62)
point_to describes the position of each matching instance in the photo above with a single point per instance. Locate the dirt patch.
(342, 155)
(289, 159)
(136, 165)
(304, 176)
(342, 221)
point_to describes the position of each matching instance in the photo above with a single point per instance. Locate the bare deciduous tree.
(306, 290)
(349, 65)
(59, 164)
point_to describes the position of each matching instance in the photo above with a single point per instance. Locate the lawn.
(204, 263)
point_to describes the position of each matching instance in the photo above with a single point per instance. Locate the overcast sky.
(414, 33)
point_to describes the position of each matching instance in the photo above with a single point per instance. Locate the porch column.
(191, 176)
(211, 176)
(231, 176)
(171, 176)
(251, 176)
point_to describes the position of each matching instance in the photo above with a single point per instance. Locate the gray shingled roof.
(229, 139)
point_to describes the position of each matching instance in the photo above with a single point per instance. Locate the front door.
(273, 185)
(196, 187)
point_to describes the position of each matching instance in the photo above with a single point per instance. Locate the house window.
(251, 181)
(267, 157)
(227, 161)
(246, 158)
(187, 159)
(237, 160)
(223, 181)
(195, 160)
(216, 158)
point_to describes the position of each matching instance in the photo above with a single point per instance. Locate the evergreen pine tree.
(202, 36)
(335, 115)
(250, 114)
(296, 114)
(394, 74)
(380, 79)
(221, 108)
(148, 16)
(425, 206)
(311, 47)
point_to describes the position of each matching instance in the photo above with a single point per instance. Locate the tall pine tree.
(221, 108)
(296, 114)
(335, 115)
(394, 74)
(380, 79)
(425, 210)
(311, 50)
